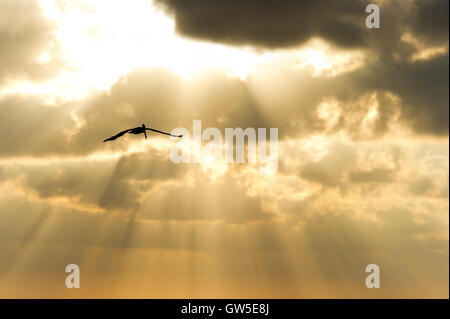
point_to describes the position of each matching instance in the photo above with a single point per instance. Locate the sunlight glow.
(103, 40)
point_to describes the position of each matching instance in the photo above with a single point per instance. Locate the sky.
(363, 142)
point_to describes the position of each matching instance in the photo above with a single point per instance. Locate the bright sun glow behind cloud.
(102, 40)
(109, 39)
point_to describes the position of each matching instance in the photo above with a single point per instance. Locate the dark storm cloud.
(430, 20)
(25, 34)
(287, 23)
(269, 23)
(422, 85)
(422, 88)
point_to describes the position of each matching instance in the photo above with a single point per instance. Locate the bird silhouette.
(138, 130)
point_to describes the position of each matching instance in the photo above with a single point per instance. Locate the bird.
(138, 130)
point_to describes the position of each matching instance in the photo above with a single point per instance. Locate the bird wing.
(150, 129)
(117, 135)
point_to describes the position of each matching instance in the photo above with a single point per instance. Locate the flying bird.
(138, 130)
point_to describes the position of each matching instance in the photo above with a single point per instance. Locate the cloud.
(292, 23)
(290, 228)
(328, 248)
(388, 86)
(221, 200)
(32, 126)
(346, 164)
(377, 175)
(366, 105)
(349, 191)
(422, 86)
(26, 36)
(102, 185)
(268, 24)
(329, 169)
(430, 20)
(146, 185)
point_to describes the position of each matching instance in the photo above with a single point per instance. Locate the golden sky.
(363, 168)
